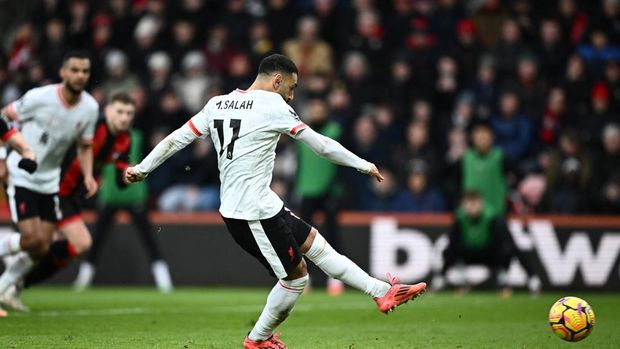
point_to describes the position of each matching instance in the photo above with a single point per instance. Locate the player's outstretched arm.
(17, 142)
(336, 153)
(169, 146)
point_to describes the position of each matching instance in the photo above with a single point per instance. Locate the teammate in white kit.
(245, 127)
(52, 118)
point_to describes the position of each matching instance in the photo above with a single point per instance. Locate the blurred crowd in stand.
(517, 99)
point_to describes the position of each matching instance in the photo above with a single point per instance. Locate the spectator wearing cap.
(310, 53)
(419, 195)
(569, 175)
(118, 78)
(468, 48)
(194, 82)
(600, 115)
(102, 31)
(513, 130)
(422, 49)
(606, 177)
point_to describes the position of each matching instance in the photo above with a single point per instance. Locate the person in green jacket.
(116, 196)
(317, 182)
(483, 168)
(480, 235)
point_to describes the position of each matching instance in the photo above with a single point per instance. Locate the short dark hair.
(75, 54)
(472, 194)
(122, 97)
(277, 63)
(482, 125)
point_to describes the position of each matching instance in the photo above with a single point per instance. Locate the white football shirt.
(50, 126)
(245, 127)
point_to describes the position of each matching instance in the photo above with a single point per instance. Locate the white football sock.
(16, 271)
(342, 268)
(161, 274)
(280, 302)
(85, 277)
(9, 244)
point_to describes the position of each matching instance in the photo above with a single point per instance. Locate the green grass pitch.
(221, 317)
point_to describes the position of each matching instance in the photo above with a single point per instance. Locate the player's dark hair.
(74, 54)
(122, 97)
(277, 63)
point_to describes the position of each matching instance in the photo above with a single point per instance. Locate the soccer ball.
(571, 319)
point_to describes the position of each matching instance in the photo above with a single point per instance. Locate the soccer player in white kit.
(245, 127)
(52, 118)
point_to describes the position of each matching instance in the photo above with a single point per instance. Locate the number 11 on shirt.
(235, 124)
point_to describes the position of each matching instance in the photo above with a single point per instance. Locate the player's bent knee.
(309, 240)
(300, 271)
(319, 248)
(83, 244)
(35, 245)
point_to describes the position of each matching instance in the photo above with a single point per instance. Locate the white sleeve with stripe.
(196, 127)
(286, 119)
(332, 150)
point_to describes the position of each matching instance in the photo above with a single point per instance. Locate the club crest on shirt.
(78, 125)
